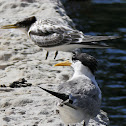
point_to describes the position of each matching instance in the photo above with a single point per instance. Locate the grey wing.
(83, 94)
(81, 90)
(66, 87)
(76, 86)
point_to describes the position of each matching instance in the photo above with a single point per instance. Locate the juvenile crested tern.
(81, 96)
(53, 35)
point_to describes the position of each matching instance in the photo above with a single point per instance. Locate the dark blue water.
(106, 17)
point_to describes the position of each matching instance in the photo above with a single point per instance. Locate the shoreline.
(21, 58)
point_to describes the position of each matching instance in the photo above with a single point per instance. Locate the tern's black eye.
(70, 101)
(21, 24)
(74, 57)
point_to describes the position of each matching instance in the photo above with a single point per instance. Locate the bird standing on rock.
(52, 35)
(81, 95)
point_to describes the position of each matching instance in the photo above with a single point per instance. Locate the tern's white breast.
(70, 115)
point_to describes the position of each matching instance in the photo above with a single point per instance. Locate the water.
(106, 17)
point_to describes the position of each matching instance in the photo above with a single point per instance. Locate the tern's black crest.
(86, 60)
(26, 23)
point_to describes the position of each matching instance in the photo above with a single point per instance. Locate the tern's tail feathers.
(88, 41)
(94, 45)
(89, 45)
(89, 38)
(62, 96)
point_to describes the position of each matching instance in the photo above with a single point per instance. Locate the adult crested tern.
(53, 35)
(81, 96)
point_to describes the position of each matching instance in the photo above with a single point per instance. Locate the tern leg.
(47, 54)
(84, 124)
(56, 53)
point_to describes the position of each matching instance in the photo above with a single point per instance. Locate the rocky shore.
(20, 58)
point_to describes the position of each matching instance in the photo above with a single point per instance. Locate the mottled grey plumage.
(52, 34)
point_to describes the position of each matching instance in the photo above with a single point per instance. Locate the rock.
(21, 58)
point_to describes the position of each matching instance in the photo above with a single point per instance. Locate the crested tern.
(53, 35)
(81, 95)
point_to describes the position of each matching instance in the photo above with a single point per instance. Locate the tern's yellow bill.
(65, 63)
(9, 26)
